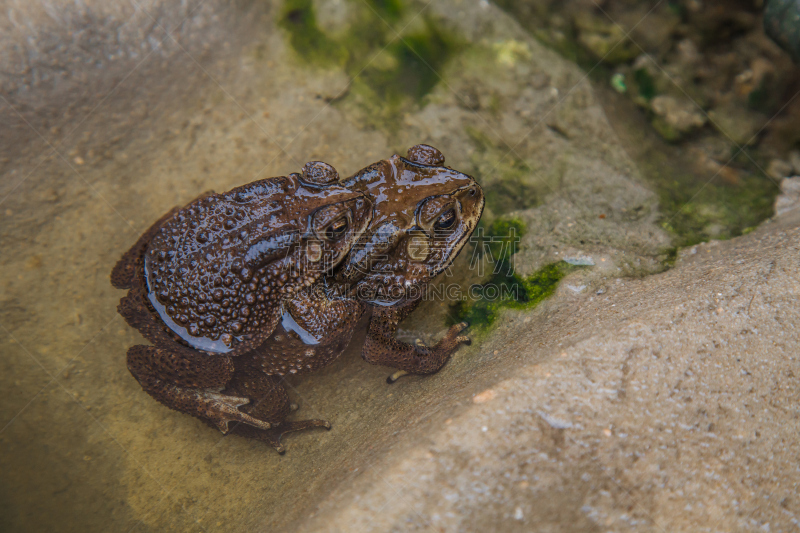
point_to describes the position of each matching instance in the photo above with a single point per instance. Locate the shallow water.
(85, 172)
(83, 448)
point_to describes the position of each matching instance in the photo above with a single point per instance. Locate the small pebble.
(779, 169)
(794, 160)
(484, 397)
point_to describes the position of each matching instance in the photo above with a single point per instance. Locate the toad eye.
(336, 230)
(446, 220)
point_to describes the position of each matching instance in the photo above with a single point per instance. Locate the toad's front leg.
(269, 402)
(190, 382)
(381, 347)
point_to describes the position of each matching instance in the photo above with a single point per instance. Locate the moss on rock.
(505, 288)
(392, 57)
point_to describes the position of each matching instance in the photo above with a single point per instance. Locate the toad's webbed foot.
(269, 401)
(189, 382)
(448, 344)
(382, 348)
(273, 436)
(221, 410)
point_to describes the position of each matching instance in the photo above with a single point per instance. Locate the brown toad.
(207, 283)
(424, 214)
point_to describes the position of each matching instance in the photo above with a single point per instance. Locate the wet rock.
(631, 410)
(716, 20)
(516, 115)
(63, 62)
(713, 52)
(789, 198)
(652, 29)
(794, 160)
(330, 84)
(782, 23)
(647, 80)
(759, 73)
(779, 169)
(604, 39)
(737, 123)
(676, 117)
(334, 17)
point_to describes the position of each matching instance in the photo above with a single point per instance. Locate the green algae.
(305, 37)
(503, 234)
(414, 62)
(505, 176)
(391, 11)
(392, 57)
(697, 204)
(505, 288)
(699, 207)
(645, 83)
(509, 290)
(393, 67)
(715, 210)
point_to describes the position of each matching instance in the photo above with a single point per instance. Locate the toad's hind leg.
(124, 272)
(189, 382)
(273, 436)
(269, 402)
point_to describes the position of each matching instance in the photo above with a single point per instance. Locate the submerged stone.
(676, 117)
(782, 24)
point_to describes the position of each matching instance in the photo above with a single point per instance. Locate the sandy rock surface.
(664, 404)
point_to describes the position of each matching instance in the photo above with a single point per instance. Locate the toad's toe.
(397, 375)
